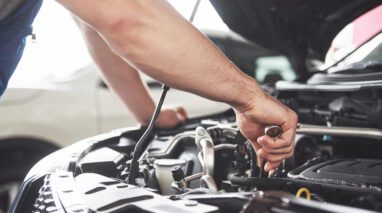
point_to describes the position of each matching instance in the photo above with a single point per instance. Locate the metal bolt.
(201, 132)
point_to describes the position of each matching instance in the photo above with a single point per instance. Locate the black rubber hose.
(143, 141)
(257, 181)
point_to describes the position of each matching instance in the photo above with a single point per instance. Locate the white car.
(56, 114)
(62, 112)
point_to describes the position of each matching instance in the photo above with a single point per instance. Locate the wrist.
(247, 96)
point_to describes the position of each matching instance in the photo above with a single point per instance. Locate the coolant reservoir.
(164, 175)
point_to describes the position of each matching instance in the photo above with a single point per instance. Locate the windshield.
(366, 58)
(371, 51)
(360, 39)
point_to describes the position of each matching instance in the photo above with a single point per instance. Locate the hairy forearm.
(119, 75)
(158, 41)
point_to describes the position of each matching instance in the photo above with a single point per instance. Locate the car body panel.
(76, 108)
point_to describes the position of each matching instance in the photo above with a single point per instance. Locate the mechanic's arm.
(154, 38)
(127, 83)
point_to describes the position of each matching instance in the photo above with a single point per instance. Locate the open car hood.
(301, 29)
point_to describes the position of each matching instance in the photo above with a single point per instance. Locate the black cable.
(141, 145)
(258, 181)
(143, 141)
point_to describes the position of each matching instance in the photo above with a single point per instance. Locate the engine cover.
(356, 172)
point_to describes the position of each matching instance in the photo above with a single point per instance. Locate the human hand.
(252, 120)
(171, 116)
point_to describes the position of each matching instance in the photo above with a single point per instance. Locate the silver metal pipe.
(188, 134)
(339, 131)
(193, 177)
(206, 157)
(208, 182)
(224, 146)
(206, 147)
(229, 131)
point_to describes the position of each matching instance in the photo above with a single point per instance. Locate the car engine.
(206, 165)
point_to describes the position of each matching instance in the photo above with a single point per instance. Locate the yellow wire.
(302, 190)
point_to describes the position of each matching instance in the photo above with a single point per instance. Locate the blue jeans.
(13, 31)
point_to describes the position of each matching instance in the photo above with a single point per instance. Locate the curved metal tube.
(208, 154)
(193, 177)
(227, 131)
(206, 147)
(206, 157)
(224, 146)
(208, 182)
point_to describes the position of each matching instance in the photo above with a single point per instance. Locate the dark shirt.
(14, 28)
(8, 6)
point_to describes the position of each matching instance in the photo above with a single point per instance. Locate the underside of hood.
(301, 29)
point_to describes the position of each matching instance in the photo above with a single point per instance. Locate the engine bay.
(207, 165)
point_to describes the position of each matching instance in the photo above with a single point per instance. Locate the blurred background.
(56, 96)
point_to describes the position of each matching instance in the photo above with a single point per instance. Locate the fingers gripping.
(275, 149)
